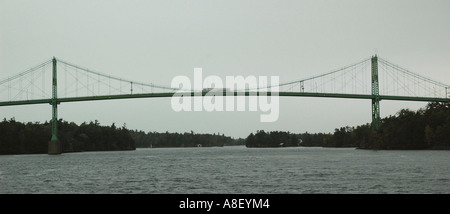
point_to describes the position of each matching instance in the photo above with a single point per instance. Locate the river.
(234, 169)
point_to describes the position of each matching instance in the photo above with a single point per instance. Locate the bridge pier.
(54, 145)
(376, 95)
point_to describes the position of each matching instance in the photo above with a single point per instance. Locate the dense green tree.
(272, 139)
(427, 128)
(32, 138)
(187, 139)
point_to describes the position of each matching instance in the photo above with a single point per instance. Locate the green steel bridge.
(374, 78)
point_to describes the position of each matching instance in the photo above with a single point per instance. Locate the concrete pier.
(54, 147)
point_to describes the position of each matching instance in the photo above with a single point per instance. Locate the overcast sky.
(154, 41)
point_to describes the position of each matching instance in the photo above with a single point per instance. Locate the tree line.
(191, 139)
(32, 138)
(272, 139)
(426, 128)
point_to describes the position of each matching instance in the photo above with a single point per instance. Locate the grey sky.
(153, 41)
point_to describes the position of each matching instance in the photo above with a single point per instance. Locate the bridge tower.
(54, 145)
(375, 95)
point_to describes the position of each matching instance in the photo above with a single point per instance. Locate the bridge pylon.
(375, 95)
(54, 145)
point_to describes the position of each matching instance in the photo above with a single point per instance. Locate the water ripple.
(228, 170)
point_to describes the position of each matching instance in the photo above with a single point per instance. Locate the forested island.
(191, 139)
(32, 138)
(427, 128)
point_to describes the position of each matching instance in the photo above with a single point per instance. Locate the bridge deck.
(281, 94)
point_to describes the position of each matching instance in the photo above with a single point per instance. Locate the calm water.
(229, 170)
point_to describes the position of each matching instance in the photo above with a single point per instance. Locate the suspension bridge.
(56, 81)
